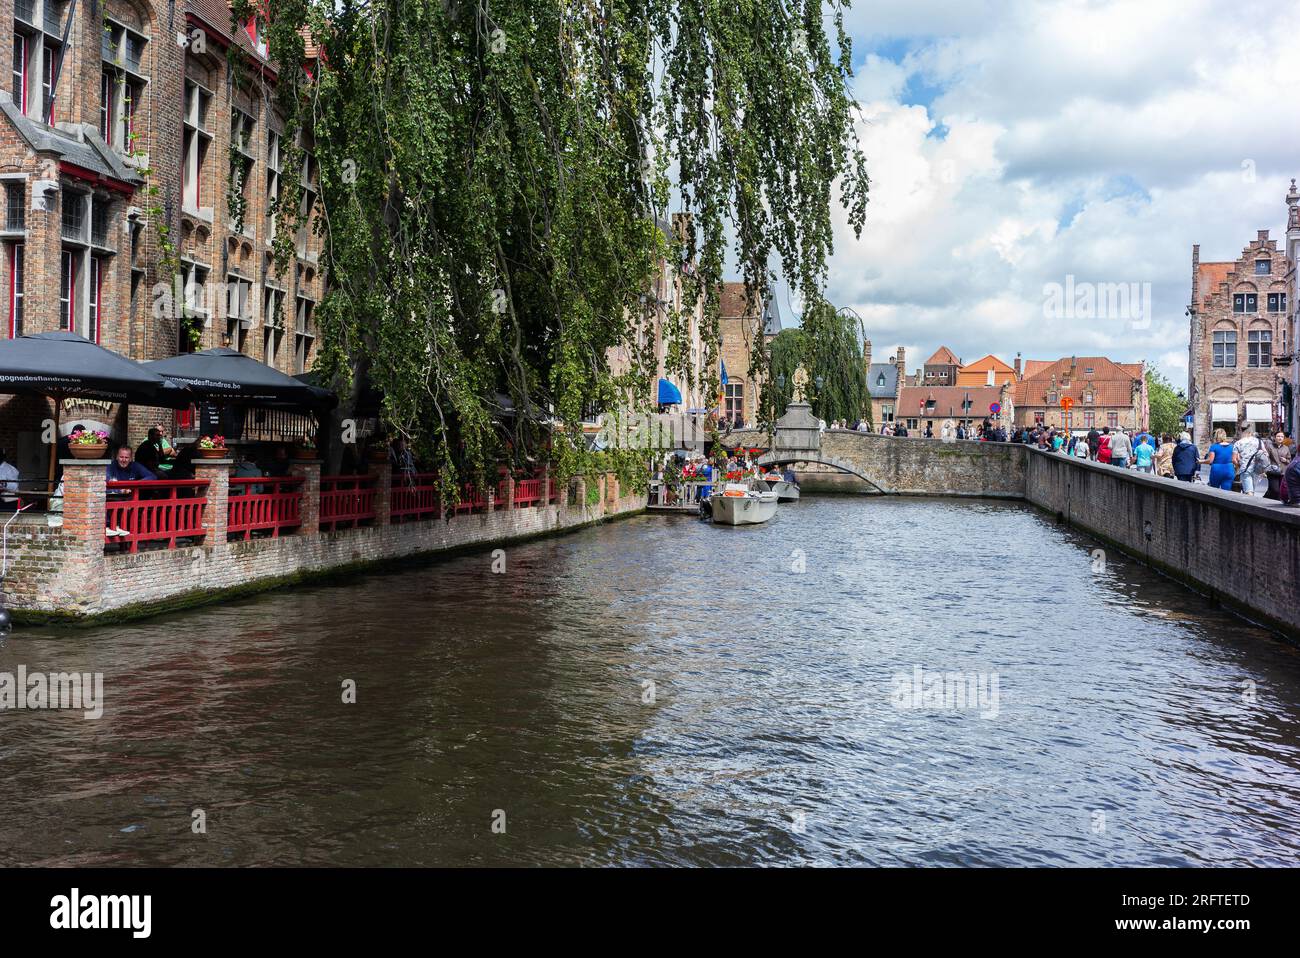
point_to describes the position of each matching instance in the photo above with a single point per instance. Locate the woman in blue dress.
(1222, 460)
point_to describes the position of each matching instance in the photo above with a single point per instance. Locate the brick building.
(1288, 359)
(988, 371)
(740, 320)
(1104, 393)
(125, 141)
(883, 382)
(1240, 337)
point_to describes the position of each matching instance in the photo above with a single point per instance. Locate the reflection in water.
(1123, 733)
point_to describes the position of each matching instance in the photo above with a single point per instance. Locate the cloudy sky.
(1013, 143)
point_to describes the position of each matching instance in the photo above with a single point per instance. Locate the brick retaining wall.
(62, 571)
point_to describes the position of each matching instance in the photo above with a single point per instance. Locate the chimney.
(1017, 367)
(866, 355)
(900, 361)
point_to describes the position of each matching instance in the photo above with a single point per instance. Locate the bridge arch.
(787, 457)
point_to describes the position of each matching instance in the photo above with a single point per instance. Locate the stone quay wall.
(1241, 551)
(63, 572)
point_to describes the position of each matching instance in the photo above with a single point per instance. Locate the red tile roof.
(947, 401)
(943, 357)
(1111, 383)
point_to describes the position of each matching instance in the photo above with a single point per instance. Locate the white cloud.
(1098, 140)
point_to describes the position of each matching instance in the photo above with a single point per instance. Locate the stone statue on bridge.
(800, 384)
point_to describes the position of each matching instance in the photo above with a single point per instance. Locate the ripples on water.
(772, 738)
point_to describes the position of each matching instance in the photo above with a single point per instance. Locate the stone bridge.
(892, 466)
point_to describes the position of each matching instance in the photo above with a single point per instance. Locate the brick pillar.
(83, 502)
(309, 509)
(582, 495)
(546, 485)
(510, 493)
(81, 580)
(383, 473)
(217, 472)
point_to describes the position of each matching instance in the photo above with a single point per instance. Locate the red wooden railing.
(472, 499)
(528, 492)
(415, 496)
(269, 505)
(346, 501)
(155, 511)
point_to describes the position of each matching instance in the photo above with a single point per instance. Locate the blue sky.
(1015, 143)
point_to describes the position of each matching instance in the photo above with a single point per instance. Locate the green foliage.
(827, 345)
(492, 180)
(1165, 403)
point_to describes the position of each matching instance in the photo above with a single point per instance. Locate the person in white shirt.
(1254, 462)
(8, 481)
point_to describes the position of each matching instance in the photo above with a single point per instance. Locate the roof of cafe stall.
(669, 395)
(65, 364)
(223, 375)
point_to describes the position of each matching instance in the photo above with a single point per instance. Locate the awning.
(1223, 411)
(669, 395)
(223, 375)
(65, 364)
(1259, 412)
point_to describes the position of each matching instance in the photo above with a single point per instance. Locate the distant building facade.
(1102, 393)
(742, 320)
(1242, 335)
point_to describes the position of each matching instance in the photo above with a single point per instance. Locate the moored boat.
(741, 504)
(785, 491)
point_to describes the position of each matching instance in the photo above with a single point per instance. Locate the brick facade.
(1240, 333)
(82, 247)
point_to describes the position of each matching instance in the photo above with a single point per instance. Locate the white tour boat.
(741, 504)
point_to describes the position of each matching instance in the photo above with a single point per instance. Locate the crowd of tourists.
(1264, 466)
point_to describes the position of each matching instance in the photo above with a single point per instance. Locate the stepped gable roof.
(1210, 276)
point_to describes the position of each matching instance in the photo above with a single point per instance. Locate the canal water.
(860, 681)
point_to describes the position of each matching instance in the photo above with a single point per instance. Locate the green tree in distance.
(492, 177)
(828, 346)
(1166, 404)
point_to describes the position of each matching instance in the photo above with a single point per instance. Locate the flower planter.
(378, 455)
(304, 453)
(87, 450)
(211, 453)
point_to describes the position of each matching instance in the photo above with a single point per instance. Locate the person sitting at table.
(8, 482)
(245, 468)
(150, 452)
(124, 469)
(279, 465)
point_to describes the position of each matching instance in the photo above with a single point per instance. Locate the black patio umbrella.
(63, 365)
(226, 377)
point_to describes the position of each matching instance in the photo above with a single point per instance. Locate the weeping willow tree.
(492, 177)
(827, 346)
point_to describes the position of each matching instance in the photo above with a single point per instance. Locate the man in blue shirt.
(123, 469)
